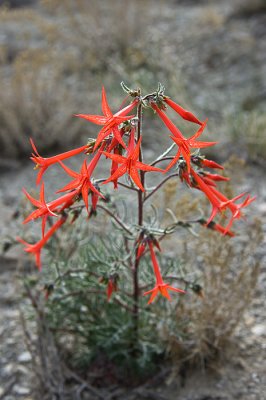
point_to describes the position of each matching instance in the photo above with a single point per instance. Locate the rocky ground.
(223, 52)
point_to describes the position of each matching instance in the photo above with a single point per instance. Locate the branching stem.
(163, 156)
(161, 159)
(116, 218)
(159, 186)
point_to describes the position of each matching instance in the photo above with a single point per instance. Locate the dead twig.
(84, 384)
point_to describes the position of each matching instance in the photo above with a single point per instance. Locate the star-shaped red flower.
(234, 208)
(82, 181)
(109, 121)
(130, 164)
(184, 145)
(160, 286)
(37, 247)
(45, 209)
(43, 163)
(218, 201)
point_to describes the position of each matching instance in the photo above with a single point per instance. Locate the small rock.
(10, 340)
(21, 390)
(249, 320)
(22, 369)
(1, 391)
(8, 369)
(262, 208)
(24, 357)
(13, 313)
(259, 330)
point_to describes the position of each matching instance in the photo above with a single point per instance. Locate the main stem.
(140, 223)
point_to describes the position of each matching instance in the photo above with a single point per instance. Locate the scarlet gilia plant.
(119, 144)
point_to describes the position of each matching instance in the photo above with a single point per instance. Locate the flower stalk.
(135, 269)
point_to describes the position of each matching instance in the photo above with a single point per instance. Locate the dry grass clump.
(248, 132)
(108, 37)
(34, 103)
(226, 271)
(35, 99)
(247, 8)
(212, 18)
(57, 54)
(19, 32)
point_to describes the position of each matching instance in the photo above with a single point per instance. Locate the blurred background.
(55, 56)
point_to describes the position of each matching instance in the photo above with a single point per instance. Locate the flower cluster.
(119, 140)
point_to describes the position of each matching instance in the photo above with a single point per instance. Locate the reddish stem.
(140, 223)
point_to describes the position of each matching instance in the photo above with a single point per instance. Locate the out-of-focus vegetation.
(55, 55)
(248, 132)
(58, 56)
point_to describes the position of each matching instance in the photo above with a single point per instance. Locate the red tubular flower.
(210, 178)
(211, 164)
(143, 241)
(183, 174)
(208, 181)
(114, 145)
(140, 249)
(130, 164)
(109, 121)
(160, 286)
(216, 177)
(234, 208)
(187, 115)
(37, 247)
(82, 182)
(184, 144)
(216, 204)
(203, 162)
(111, 288)
(169, 124)
(114, 167)
(219, 228)
(220, 202)
(114, 142)
(224, 231)
(46, 209)
(94, 200)
(44, 163)
(41, 204)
